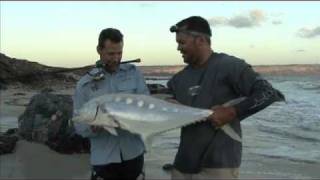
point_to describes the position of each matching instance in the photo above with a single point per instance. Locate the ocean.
(285, 130)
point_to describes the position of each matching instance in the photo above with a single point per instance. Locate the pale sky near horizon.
(64, 34)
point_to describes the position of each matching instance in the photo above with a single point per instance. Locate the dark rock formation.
(47, 120)
(8, 141)
(41, 112)
(24, 71)
(168, 167)
(2, 85)
(157, 88)
(31, 73)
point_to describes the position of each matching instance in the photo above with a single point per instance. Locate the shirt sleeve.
(79, 98)
(171, 87)
(259, 92)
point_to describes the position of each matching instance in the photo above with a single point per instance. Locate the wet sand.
(37, 161)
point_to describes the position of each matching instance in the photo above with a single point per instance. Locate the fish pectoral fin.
(111, 130)
(231, 133)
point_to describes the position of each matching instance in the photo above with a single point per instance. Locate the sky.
(65, 33)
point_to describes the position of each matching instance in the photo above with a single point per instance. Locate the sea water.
(287, 130)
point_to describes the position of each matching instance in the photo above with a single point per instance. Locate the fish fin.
(114, 122)
(148, 139)
(227, 128)
(231, 133)
(234, 101)
(122, 125)
(111, 130)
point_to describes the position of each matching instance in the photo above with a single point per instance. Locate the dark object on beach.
(47, 120)
(157, 88)
(2, 85)
(11, 132)
(46, 90)
(8, 141)
(167, 167)
(69, 145)
(46, 115)
(19, 94)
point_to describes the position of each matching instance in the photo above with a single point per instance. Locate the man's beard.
(189, 60)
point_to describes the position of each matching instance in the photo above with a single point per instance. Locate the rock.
(19, 94)
(157, 88)
(35, 121)
(167, 167)
(37, 75)
(2, 85)
(8, 141)
(47, 90)
(47, 120)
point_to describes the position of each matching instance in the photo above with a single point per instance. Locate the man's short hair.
(110, 33)
(192, 24)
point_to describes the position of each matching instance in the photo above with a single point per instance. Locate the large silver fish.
(143, 114)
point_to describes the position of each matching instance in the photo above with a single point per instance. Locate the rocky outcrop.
(32, 73)
(8, 141)
(46, 110)
(161, 70)
(36, 75)
(294, 69)
(47, 120)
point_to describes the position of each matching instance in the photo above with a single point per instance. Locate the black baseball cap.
(191, 24)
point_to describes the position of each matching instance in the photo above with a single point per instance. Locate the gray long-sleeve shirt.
(105, 147)
(223, 79)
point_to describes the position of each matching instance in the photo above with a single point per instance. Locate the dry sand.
(37, 161)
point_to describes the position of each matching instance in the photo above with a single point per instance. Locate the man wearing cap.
(209, 80)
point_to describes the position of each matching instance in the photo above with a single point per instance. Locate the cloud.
(253, 18)
(240, 22)
(146, 4)
(217, 21)
(309, 33)
(257, 16)
(276, 22)
(300, 50)
(277, 14)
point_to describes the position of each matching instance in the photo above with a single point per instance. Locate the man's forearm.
(263, 95)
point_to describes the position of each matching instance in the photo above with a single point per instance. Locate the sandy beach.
(36, 161)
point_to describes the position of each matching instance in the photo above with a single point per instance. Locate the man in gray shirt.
(209, 80)
(111, 157)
